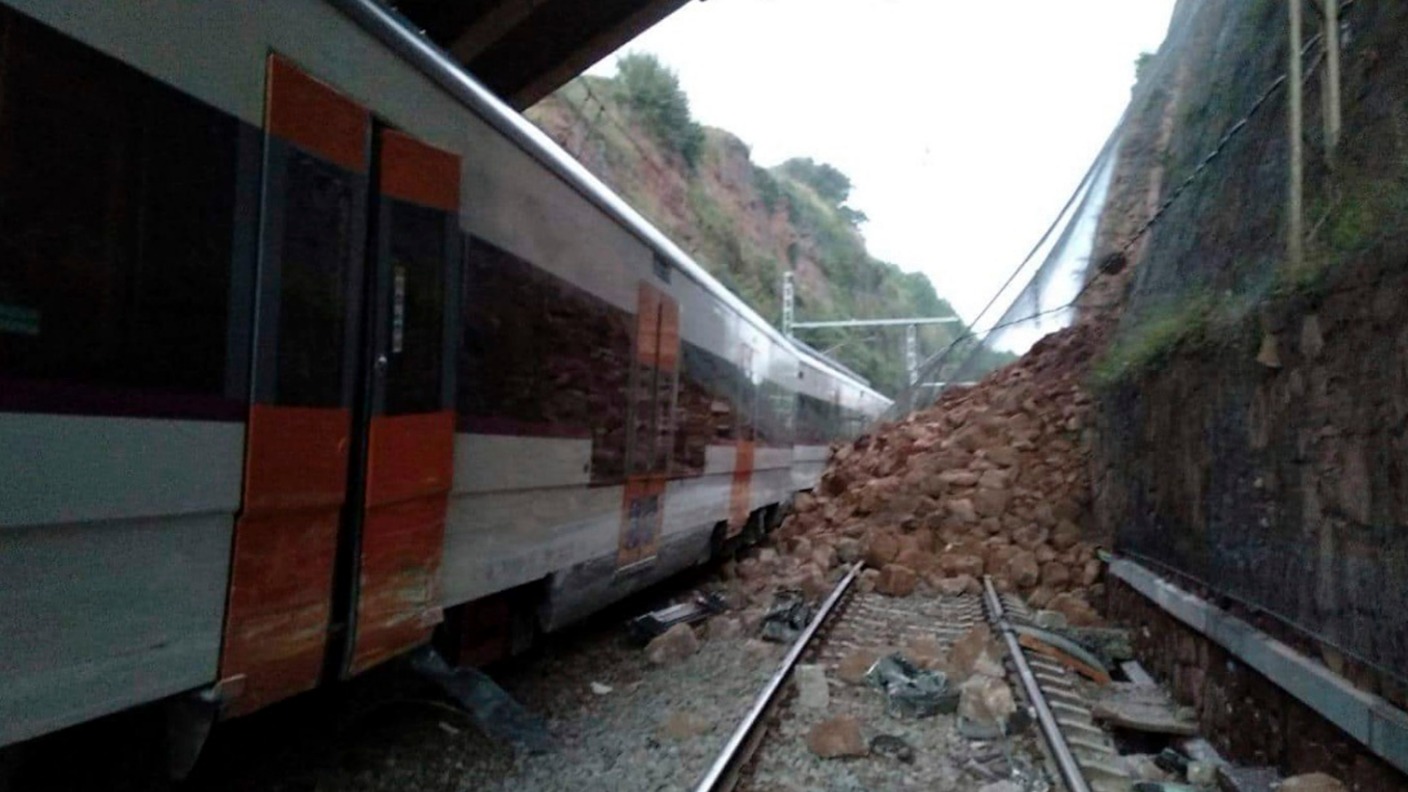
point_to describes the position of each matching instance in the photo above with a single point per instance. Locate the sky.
(963, 126)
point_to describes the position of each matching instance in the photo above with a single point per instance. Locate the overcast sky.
(963, 126)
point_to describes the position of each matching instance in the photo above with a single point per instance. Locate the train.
(314, 353)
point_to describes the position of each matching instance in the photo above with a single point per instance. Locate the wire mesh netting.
(1040, 295)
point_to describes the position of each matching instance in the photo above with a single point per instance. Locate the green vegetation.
(745, 223)
(1142, 64)
(652, 91)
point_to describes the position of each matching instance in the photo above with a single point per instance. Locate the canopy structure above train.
(524, 50)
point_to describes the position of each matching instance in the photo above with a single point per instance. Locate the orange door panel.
(411, 443)
(408, 484)
(285, 545)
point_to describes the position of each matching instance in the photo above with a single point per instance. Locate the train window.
(418, 242)
(117, 224)
(319, 210)
(539, 356)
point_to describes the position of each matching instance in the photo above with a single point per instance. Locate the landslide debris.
(993, 479)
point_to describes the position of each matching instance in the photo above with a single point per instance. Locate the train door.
(741, 487)
(404, 417)
(654, 377)
(313, 239)
(348, 448)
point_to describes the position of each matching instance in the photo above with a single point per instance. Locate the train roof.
(398, 34)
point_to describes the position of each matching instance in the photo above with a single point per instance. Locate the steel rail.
(1065, 760)
(733, 754)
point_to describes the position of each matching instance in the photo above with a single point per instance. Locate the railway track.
(1064, 749)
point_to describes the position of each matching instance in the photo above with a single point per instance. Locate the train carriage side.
(302, 347)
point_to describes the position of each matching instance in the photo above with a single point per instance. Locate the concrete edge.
(1378, 725)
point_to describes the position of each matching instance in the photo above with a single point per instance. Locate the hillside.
(741, 221)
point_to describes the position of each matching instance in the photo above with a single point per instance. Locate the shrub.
(652, 92)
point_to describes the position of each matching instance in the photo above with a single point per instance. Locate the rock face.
(672, 646)
(993, 479)
(837, 737)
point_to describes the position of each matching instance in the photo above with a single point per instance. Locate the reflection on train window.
(313, 281)
(418, 240)
(116, 220)
(542, 357)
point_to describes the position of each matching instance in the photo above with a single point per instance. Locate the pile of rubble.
(993, 479)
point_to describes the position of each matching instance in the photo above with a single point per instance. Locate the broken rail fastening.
(1069, 750)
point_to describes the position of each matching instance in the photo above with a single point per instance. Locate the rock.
(1004, 785)
(866, 584)
(1077, 611)
(723, 628)
(958, 478)
(855, 663)
(813, 582)
(893, 747)
(896, 581)
(600, 690)
(1055, 575)
(925, 653)
(760, 650)
(1022, 570)
(955, 564)
(802, 548)
(1313, 782)
(681, 725)
(956, 586)
(848, 550)
(672, 646)
(974, 652)
(1090, 573)
(812, 692)
(882, 549)
(991, 502)
(1202, 773)
(1065, 535)
(962, 510)
(986, 701)
(837, 737)
(1040, 596)
(1029, 536)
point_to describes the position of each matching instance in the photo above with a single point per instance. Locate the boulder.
(672, 646)
(896, 581)
(953, 564)
(956, 586)
(882, 549)
(837, 737)
(1022, 570)
(723, 628)
(812, 691)
(1077, 611)
(855, 663)
(682, 725)
(986, 701)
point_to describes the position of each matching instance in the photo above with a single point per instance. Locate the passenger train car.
(310, 348)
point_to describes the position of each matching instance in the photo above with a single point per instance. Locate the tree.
(652, 91)
(828, 182)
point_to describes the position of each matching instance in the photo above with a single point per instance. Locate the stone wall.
(1248, 718)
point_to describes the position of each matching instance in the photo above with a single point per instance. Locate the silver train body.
(309, 347)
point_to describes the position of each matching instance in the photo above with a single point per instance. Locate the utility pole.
(1295, 230)
(911, 352)
(1330, 85)
(788, 296)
